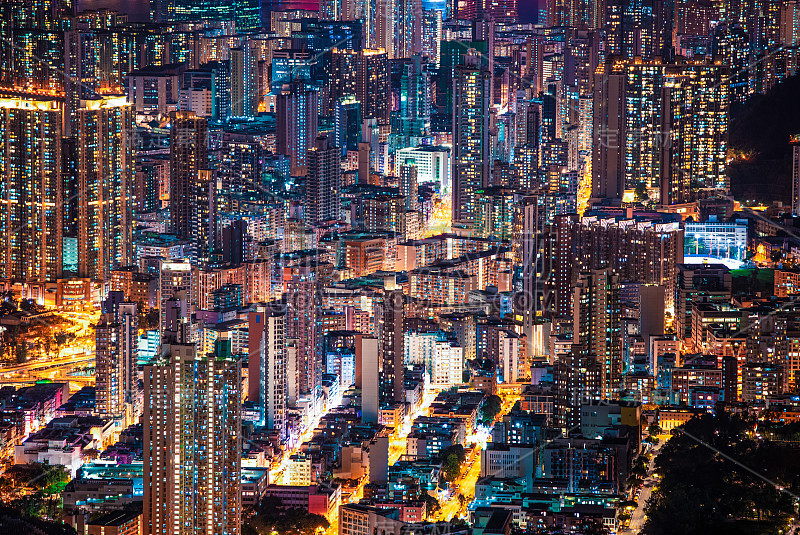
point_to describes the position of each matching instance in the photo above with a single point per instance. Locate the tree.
(452, 458)
(702, 491)
(451, 468)
(432, 506)
(641, 192)
(62, 338)
(654, 429)
(491, 408)
(14, 519)
(270, 515)
(148, 320)
(22, 353)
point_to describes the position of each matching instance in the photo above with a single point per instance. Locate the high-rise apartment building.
(407, 32)
(389, 316)
(244, 80)
(188, 156)
(367, 377)
(372, 84)
(116, 340)
(409, 187)
(790, 23)
(413, 121)
(192, 10)
(363, 74)
(347, 124)
(471, 148)
(323, 182)
(659, 129)
(342, 68)
(645, 248)
(102, 186)
(30, 131)
(576, 376)
(296, 131)
(192, 442)
(499, 10)
(175, 282)
(597, 326)
(267, 366)
(695, 133)
(638, 28)
(795, 174)
(302, 312)
(383, 27)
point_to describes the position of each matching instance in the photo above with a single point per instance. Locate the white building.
(505, 461)
(432, 162)
(355, 519)
(298, 470)
(197, 100)
(444, 361)
(66, 441)
(512, 363)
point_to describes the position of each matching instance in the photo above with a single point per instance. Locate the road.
(59, 362)
(464, 486)
(398, 440)
(280, 469)
(53, 369)
(637, 516)
(78, 352)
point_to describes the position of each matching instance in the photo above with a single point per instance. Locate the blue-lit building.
(719, 240)
(289, 65)
(70, 258)
(347, 123)
(192, 10)
(149, 344)
(323, 35)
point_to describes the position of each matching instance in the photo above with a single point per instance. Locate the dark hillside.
(759, 143)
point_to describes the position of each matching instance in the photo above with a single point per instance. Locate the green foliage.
(16, 520)
(148, 320)
(29, 305)
(703, 491)
(452, 458)
(270, 516)
(641, 192)
(491, 408)
(21, 353)
(63, 337)
(34, 489)
(432, 506)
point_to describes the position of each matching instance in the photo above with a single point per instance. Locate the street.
(77, 352)
(456, 507)
(637, 516)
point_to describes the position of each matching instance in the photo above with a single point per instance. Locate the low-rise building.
(317, 499)
(65, 441)
(116, 523)
(355, 519)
